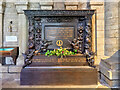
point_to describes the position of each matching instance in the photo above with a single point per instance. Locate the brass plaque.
(59, 36)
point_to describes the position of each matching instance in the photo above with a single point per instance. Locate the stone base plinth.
(72, 60)
(59, 75)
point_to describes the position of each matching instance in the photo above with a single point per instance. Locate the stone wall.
(10, 14)
(112, 35)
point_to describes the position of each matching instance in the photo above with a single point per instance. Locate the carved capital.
(20, 6)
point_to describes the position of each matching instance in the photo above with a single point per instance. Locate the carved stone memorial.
(52, 29)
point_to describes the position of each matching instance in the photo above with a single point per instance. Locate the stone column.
(1, 24)
(22, 30)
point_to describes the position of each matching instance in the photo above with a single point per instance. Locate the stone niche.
(65, 26)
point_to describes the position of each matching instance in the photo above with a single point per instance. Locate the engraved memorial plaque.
(59, 35)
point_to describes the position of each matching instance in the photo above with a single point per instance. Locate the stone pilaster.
(99, 7)
(22, 30)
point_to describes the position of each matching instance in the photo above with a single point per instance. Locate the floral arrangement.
(60, 52)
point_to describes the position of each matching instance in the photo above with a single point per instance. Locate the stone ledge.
(111, 74)
(14, 69)
(21, 3)
(96, 3)
(111, 63)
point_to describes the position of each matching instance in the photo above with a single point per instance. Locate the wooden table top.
(4, 51)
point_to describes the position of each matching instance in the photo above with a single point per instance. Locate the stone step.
(115, 83)
(109, 73)
(111, 63)
(59, 75)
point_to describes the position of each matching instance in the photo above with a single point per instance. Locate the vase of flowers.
(62, 52)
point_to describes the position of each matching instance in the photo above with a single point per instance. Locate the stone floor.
(12, 80)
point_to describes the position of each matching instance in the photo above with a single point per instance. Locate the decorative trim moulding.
(58, 12)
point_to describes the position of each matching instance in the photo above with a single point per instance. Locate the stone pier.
(22, 30)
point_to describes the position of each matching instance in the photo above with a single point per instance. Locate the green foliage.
(60, 52)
